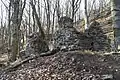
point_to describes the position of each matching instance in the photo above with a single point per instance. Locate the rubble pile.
(100, 42)
(68, 38)
(35, 45)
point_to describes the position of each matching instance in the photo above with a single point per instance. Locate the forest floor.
(72, 65)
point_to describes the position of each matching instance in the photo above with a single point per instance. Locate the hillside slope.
(73, 65)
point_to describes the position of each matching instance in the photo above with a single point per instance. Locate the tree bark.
(9, 28)
(17, 18)
(86, 15)
(115, 9)
(38, 21)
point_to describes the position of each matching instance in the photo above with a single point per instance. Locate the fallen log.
(16, 64)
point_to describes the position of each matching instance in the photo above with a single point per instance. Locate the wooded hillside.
(59, 40)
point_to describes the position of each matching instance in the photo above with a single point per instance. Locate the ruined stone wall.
(68, 38)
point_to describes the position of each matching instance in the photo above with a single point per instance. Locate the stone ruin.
(100, 41)
(35, 45)
(68, 38)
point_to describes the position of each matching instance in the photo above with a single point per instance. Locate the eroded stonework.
(35, 45)
(68, 38)
(99, 39)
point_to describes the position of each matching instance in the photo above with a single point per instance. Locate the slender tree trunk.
(26, 29)
(2, 33)
(17, 18)
(29, 20)
(53, 24)
(73, 9)
(115, 8)
(9, 28)
(15, 30)
(47, 3)
(39, 9)
(37, 20)
(58, 10)
(2, 29)
(33, 15)
(86, 15)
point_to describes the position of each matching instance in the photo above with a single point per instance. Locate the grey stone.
(68, 38)
(35, 45)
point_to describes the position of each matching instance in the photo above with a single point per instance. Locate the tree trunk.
(58, 10)
(29, 20)
(47, 9)
(73, 9)
(33, 15)
(115, 8)
(17, 18)
(86, 15)
(15, 31)
(37, 20)
(9, 28)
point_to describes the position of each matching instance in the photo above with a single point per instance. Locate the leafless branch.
(4, 5)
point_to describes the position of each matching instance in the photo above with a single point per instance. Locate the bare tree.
(115, 8)
(54, 5)
(29, 19)
(75, 6)
(91, 8)
(2, 40)
(9, 28)
(37, 20)
(47, 9)
(86, 15)
(33, 15)
(16, 20)
(58, 9)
